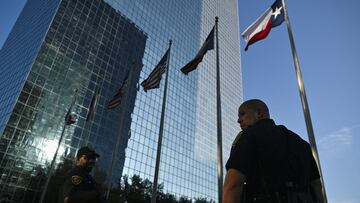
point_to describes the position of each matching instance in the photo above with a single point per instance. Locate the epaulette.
(237, 138)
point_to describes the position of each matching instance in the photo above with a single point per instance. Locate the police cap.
(87, 151)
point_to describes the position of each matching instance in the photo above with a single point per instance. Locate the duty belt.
(274, 198)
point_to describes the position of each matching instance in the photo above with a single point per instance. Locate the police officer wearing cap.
(269, 163)
(79, 186)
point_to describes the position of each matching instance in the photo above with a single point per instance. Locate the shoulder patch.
(237, 138)
(76, 180)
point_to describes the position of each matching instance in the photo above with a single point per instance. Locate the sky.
(326, 38)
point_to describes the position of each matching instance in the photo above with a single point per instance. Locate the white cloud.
(347, 201)
(338, 139)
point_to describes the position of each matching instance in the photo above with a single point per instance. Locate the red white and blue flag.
(153, 80)
(116, 99)
(69, 118)
(260, 29)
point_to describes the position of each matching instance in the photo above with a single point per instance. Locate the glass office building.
(57, 47)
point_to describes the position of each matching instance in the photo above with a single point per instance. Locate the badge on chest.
(76, 180)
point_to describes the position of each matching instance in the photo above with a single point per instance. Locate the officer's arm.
(316, 188)
(233, 186)
(66, 188)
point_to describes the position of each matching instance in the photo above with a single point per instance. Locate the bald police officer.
(79, 186)
(269, 163)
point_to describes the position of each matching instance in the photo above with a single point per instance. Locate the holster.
(275, 197)
(294, 195)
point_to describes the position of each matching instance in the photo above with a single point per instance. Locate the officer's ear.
(260, 114)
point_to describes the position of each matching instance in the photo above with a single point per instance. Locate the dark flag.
(69, 117)
(153, 80)
(93, 104)
(208, 45)
(116, 99)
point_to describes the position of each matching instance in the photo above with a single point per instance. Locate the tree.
(203, 200)
(137, 190)
(130, 190)
(184, 199)
(57, 179)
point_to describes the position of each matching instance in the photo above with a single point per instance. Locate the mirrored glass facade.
(86, 45)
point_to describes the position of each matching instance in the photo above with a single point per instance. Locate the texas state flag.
(260, 29)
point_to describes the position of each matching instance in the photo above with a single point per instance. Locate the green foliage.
(132, 189)
(57, 179)
(203, 200)
(184, 199)
(137, 190)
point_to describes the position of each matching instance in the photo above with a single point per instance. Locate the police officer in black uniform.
(269, 163)
(79, 186)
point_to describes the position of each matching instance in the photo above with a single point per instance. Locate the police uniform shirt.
(79, 186)
(263, 144)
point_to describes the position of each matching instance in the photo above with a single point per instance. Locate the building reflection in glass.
(90, 44)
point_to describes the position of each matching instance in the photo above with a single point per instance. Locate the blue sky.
(327, 42)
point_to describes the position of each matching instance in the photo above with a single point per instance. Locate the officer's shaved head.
(257, 105)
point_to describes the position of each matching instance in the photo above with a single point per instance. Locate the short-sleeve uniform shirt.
(78, 183)
(262, 153)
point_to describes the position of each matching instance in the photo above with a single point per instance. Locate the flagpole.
(114, 153)
(155, 184)
(219, 126)
(87, 129)
(55, 155)
(303, 99)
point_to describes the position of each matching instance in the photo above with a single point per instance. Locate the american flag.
(153, 80)
(116, 99)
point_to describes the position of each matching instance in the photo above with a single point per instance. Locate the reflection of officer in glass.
(79, 186)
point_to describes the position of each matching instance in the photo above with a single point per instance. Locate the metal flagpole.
(86, 135)
(155, 184)
(219, 126)
(303, 98)
(115, 151)
(55, 155)
(88, 125)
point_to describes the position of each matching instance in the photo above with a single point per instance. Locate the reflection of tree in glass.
(57, 179)
(139, 191)
(53, 193)
(37, 178)
(130, 190)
